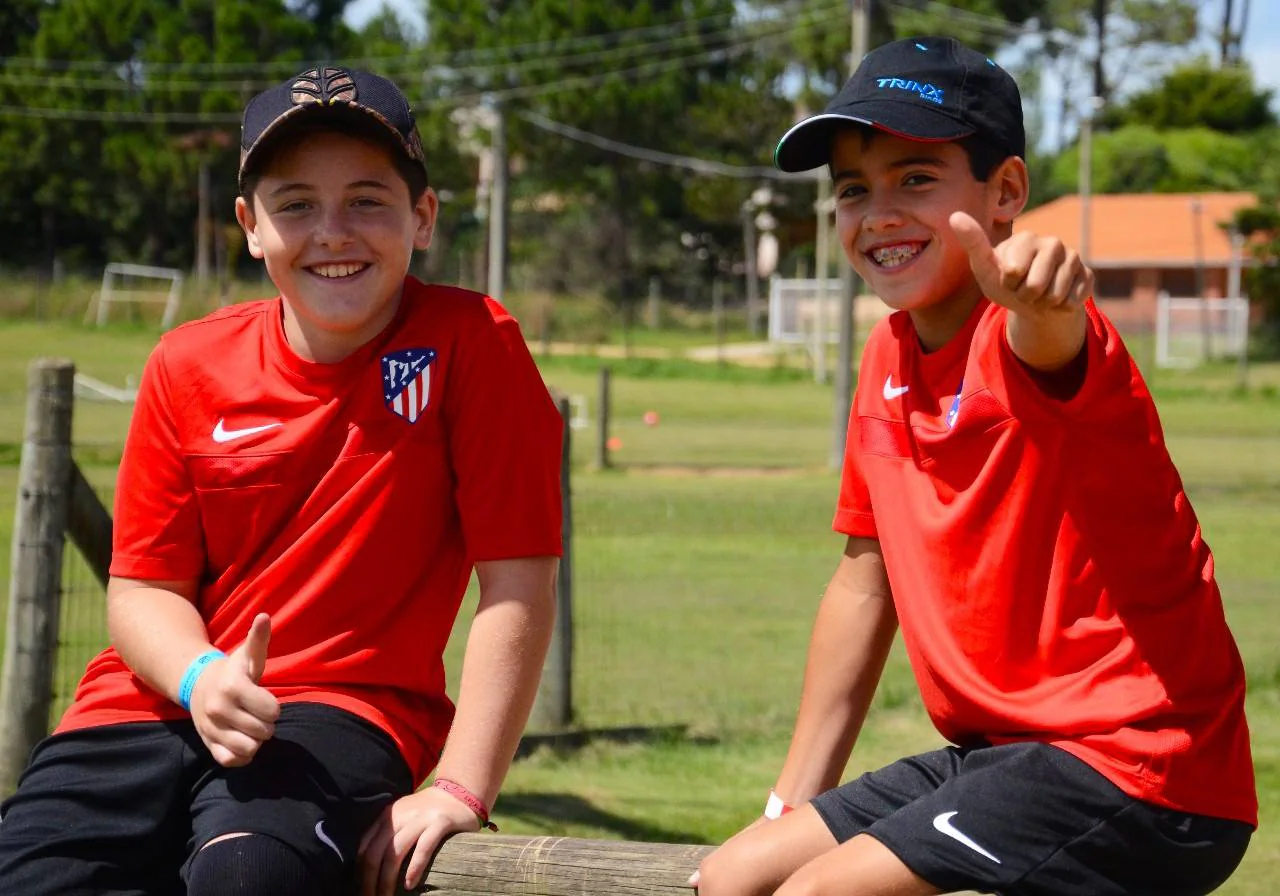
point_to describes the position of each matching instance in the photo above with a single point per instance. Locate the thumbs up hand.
(253, 652)
(233, 714)
(1027, 274)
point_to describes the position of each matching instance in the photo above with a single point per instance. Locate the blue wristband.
(193, 673)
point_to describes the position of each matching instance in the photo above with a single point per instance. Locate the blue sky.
(1262, 45)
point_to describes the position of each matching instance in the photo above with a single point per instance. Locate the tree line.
(111, 111)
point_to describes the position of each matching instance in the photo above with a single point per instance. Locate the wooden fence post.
(553, 709)
(717, 316)
(602, 422)
(40, 519)
(501, 865)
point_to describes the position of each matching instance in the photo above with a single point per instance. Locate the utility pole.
(1197, 241)
(749, 237)
(1099, 72)
(1225, 39)
(1235, 295)
(822, 273)
(204, 227)
(1086, 174)
(498, 207)
(859, 35)
(203, 144)
(1239, 33)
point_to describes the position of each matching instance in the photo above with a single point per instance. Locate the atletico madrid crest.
(406, 381)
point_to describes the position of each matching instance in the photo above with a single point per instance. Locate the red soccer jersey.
(1049, 573)
(349, 501)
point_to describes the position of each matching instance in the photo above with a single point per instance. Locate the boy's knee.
(709, 875)
(724, 873)
(258, 865)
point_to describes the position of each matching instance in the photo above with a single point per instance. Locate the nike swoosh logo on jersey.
(221, 434)
(943, 825)
(891, 391)
(325, 839)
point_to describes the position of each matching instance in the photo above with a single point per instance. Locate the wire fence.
(699, 552)
(685, 609)
(82, 627)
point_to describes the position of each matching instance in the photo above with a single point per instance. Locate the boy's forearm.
(156, 629)
(852, 635)
(500, 673)
(1049, 339)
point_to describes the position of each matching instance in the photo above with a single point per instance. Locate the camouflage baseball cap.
(358, 101)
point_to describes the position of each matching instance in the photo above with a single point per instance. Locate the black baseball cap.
(358, 102)
(921, 88)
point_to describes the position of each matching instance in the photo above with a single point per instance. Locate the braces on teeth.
(894, 255)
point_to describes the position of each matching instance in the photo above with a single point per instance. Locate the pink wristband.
(472, 802)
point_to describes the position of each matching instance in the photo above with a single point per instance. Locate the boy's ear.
(249, 224)
(1010, 189)
(424, 213)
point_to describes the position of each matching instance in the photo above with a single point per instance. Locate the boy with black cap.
(306, 488)
(1010, 504)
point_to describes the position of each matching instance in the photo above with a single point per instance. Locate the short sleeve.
(156, 533)
(1111, 379)
(505, 436)
(853, 509)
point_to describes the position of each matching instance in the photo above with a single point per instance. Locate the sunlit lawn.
(699, 561)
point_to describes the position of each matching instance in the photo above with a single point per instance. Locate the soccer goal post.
(139, 284)
(1190, 331)
(806, 312)
(801, 311)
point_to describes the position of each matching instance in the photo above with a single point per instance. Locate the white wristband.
(774, 807)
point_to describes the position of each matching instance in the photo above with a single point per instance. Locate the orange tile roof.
(1143, 229)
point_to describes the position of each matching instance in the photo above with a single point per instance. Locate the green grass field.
(699, 562)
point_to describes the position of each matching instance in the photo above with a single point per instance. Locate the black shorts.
(124, 808)
(1029, 819)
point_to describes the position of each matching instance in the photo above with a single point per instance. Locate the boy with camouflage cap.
(307, 486)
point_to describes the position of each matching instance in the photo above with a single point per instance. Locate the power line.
(191, 85)
(670, 160)
(285, 68)
(990, 25)
(696, 38)
(519, 92)
(121, 117)
(581, 81)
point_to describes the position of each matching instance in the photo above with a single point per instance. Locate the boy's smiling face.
(893, 200)
(335, 224)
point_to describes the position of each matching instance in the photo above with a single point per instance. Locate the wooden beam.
(502, 865)
(499, 865)
(89, 525)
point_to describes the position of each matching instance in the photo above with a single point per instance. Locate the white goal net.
(1190, 331)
